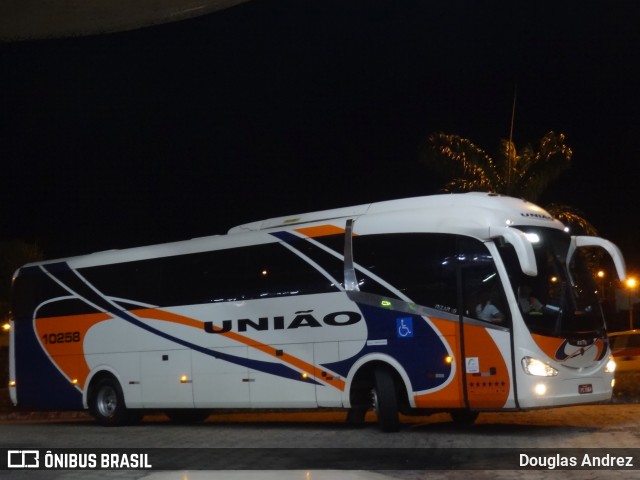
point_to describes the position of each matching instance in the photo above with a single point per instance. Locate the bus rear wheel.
(385, 400)
(106, 404)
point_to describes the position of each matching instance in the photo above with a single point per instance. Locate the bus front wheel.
(106, 403)
(385, 400)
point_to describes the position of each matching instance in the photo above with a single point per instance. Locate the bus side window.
(417, 264)
(484, 297)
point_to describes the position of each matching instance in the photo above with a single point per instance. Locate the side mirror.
(612, 250)
(522, 246)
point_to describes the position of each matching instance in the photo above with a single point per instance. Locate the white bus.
(460, 303)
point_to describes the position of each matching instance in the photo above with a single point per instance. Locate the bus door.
(485, 334)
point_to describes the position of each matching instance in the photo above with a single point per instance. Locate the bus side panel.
(39, 384)
(153, 371)
(326, 352)
(267, 389)
(450, 395)
(488, 368)
(411, 340)
(125, 366)
(218, 383)
(166, 379)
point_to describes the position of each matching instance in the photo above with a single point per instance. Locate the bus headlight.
(611, 366)
(537, 368)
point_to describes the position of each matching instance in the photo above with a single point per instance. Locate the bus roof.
(502, 211)
(473, 213)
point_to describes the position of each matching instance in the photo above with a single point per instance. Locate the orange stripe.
(311, 370)
(548, 345)
(63, 339)
(321, 231)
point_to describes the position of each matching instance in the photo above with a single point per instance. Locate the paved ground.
(603, 427)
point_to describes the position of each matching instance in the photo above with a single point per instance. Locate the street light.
(631, 283)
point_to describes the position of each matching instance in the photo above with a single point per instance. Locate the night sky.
(278, 107)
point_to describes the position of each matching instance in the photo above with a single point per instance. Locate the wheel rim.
(374, 400)
(107, 401)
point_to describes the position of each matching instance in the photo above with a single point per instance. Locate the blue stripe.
(62, 269)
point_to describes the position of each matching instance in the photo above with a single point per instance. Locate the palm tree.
(525, 174)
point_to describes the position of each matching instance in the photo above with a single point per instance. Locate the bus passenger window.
(488, 312)
(484, 296)
(419, 265)
(529, 303)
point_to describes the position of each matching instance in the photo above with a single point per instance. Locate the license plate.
(588, 388)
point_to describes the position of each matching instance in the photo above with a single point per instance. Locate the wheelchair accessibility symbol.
(404, 327)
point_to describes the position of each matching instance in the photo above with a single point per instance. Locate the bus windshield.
(561, 301)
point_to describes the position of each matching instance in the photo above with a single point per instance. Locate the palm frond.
(457, 157)
(525, 173)
(573, 218)
(552, 158)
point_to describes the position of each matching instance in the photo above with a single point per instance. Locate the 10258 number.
(62, 337)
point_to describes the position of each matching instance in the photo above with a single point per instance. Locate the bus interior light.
(535, 367)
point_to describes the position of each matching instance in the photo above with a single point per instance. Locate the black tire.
(106, 404)
(385, 400)
(464, 418)
(187, 417)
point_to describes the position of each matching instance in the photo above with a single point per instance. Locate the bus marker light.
(12, 383)
(305, 375)
(74, 381)
(184, 379)
(611, 366)
(448, 359)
